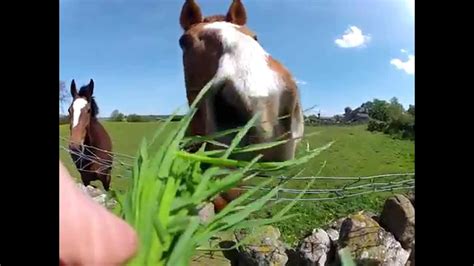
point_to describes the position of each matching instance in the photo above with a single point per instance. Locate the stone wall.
(387, 239)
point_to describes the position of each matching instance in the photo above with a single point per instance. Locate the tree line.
(392, 118)
(387, 117)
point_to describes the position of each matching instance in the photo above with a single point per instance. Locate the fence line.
(105, 151)
(119, 161)
(337, 190)
(278, 198)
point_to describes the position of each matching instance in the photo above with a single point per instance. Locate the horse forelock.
(83, 92)
(214, 18)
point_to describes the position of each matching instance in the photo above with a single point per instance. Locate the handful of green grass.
(168, 187)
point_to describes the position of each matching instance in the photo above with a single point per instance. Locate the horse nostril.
(77, 147)
(186, 41)
(73, 147)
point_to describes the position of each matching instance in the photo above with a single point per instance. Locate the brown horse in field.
(90, 145)
(247, 80)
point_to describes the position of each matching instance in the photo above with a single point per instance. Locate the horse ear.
(90, 89)
(190, 14)
(91, 86)
(237, 13)
(73, 89)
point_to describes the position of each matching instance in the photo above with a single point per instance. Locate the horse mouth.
(227, 115)
(77, 147)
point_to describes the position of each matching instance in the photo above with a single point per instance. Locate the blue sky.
(342, 52)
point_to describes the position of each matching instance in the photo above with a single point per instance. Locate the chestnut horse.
(247, 80)
(90, 145)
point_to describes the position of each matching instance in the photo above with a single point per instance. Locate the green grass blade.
(174, 145)
(183, 242)
(250, 208)
(298, 161)
(240, 135)
(201, 94)
(162, 127)
(227, 182)
(166, 200)
(234, 218)
(205, 181)
(157, 159)
(209, 160)
(248, 148)
(178, 223)
(257, 147)
(236, 202)
(197, 139)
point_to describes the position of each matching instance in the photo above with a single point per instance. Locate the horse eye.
(186, 41)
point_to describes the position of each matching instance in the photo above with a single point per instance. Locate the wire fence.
(346, 186)
(119, 161)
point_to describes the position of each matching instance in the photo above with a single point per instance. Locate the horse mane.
(94, 106)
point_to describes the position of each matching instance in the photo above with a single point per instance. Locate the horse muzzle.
(76, 147)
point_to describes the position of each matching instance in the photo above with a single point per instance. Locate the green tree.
(116, 116)
(134, 118)
(379, 110)
(395, 110)
(63, 95)
(411, 110)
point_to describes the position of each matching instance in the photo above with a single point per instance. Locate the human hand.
(89, 234)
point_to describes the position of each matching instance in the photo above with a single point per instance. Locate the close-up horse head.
(207, 39)
(247, 79)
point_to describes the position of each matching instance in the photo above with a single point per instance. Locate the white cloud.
(353, 37)
(403, 51)
(301, 82)
(407, 66)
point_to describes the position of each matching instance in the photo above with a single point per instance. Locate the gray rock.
(82, 188)
(336, 225)
(357, 115)
(371, 215)
(101, 199)
(333, 234)
(411, 259)
(398, 217)
(98, 196)
(370, 243)
(315, 248)
(411, 197)
(206, 212)
(262, 248)
(94, 192)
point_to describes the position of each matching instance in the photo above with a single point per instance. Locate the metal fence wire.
(347, 186)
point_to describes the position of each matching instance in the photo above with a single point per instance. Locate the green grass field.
(356, 152)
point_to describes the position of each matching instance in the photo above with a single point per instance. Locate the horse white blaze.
(77, 106)
(244, 62)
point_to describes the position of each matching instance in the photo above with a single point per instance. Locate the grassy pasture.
(356, 152)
